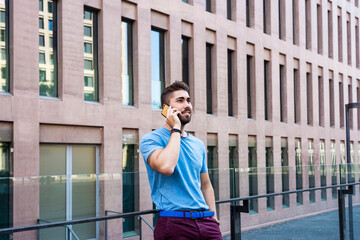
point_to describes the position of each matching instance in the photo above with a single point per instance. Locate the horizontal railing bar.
(73, 222)
(283, 193)
(122, 215)
(67, 227)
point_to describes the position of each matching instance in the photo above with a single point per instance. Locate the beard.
(185, 119)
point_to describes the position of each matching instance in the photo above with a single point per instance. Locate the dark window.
(295, 21)
(319, 29)
(229, 9)
(87, 15)
(323, 168)
(3, 54)
(308, 23)
(208, 5)
(87, 31)
(332, 102)
(41, 5)
(330, 34)
(157, 66)
(357, 48)
(50, 7)
(309, 98)
(209, 80)
(41, 23)
(282, 19)
(249, 13)
(253, 174)
(42, 75)
(340, 39)
(88, 81)
(41, 40)
(297, 98)
(127, 66)
(321, 100)
(5, 188)
(250, 86)
(299, 171)
(285, 172)
(283, 95)
(267, 90)
(230, 84)
(88, 64)
(348, 33)
(267, 16)
(341, 104)
(3, 16)
(270, 178)
(185, 60)
(42, 58)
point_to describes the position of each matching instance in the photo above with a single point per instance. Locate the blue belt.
(185, 214)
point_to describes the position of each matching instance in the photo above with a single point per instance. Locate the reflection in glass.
(234, 167)
(270, 184)
(285, 172)
(323, 169)
(253, 174)
(299, 171)
(311, 170)
(342, 163)
(47, 49)
(91, 91)
(5, 191)
(4, 29)
(157, 67)
(333, 168)
(127, 63)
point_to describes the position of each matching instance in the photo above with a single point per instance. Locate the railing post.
(38, 231)
(236, 218)
(106, 225)
(140, 228)
(341, 206)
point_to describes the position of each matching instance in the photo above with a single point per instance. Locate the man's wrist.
(175, 130)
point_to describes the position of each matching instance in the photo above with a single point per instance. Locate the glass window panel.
(42, 76)
(3, 54)
(285, 172)
(2, 35)
(41, 41)
(41, 5)
(87, 48)
(157, 67)
(270, 178)
(2, 16)
(312, 196)
(185, 60)
(323, 170)
(87, 31)
(88, 81)
(209, 80)
(299, 172)
(42, 58)
(127, 63)
(53, 189)
(5, 190)
(41, 23)
(48, 87)
(84, 189)
(90, 59)
(253, 174)
(4, 26)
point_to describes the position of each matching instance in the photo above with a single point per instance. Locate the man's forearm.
(209, 196)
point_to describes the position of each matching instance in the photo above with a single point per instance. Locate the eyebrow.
(181, 98)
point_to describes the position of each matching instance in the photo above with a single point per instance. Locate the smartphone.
(165, 110)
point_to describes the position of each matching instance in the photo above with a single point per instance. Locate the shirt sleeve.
(204, 162)
(148, 144)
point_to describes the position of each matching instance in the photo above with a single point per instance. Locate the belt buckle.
(191, 214)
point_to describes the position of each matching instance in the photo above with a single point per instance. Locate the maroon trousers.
(174, 228)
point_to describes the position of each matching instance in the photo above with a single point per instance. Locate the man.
(177, 172)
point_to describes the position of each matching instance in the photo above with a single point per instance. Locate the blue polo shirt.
(181, 190)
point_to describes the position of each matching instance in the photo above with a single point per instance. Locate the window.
(331, 100)
(4, 42)
(267, 91)
(340, 39)
(322, 155)
(249, 13)
(251, 98)
(48, 62)
(42, 58)
(91, 59)
(75, 199)
(5, 188)
(130, 188)
(321, 99)
(299, 171)
(282, 19)
(41, 23)
(295, 21)
(88, 81)
(357, 48)
(308, 23)
(87, 31)
(87, 47)
(358, 100)
(285, 172)
(319, 29)
(209, 78)
(234, 166)
(330, 31)
(267, 16)
(297, 103)
(41, 5)
(41, 41)
(230, 5)
(185, 59)
(343, 167)
(311, 171)
(253, 174)
(270, 178)
(50, 6)
(350, 100)
(230, 83)
(42, 75)
(341, 101)
(309, 98)
(213, 163)
(185, 1)
(283, 93)
(127, 63)
(157, 66)
(334, 170)
(348, 33)
(208, 6)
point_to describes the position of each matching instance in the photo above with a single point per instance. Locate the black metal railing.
(235, 209)
(69, 232)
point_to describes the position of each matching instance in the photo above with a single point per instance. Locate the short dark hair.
(176, 86)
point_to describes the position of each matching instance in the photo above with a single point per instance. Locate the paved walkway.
(324, 226)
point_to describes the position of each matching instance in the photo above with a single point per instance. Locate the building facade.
(81, 81)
